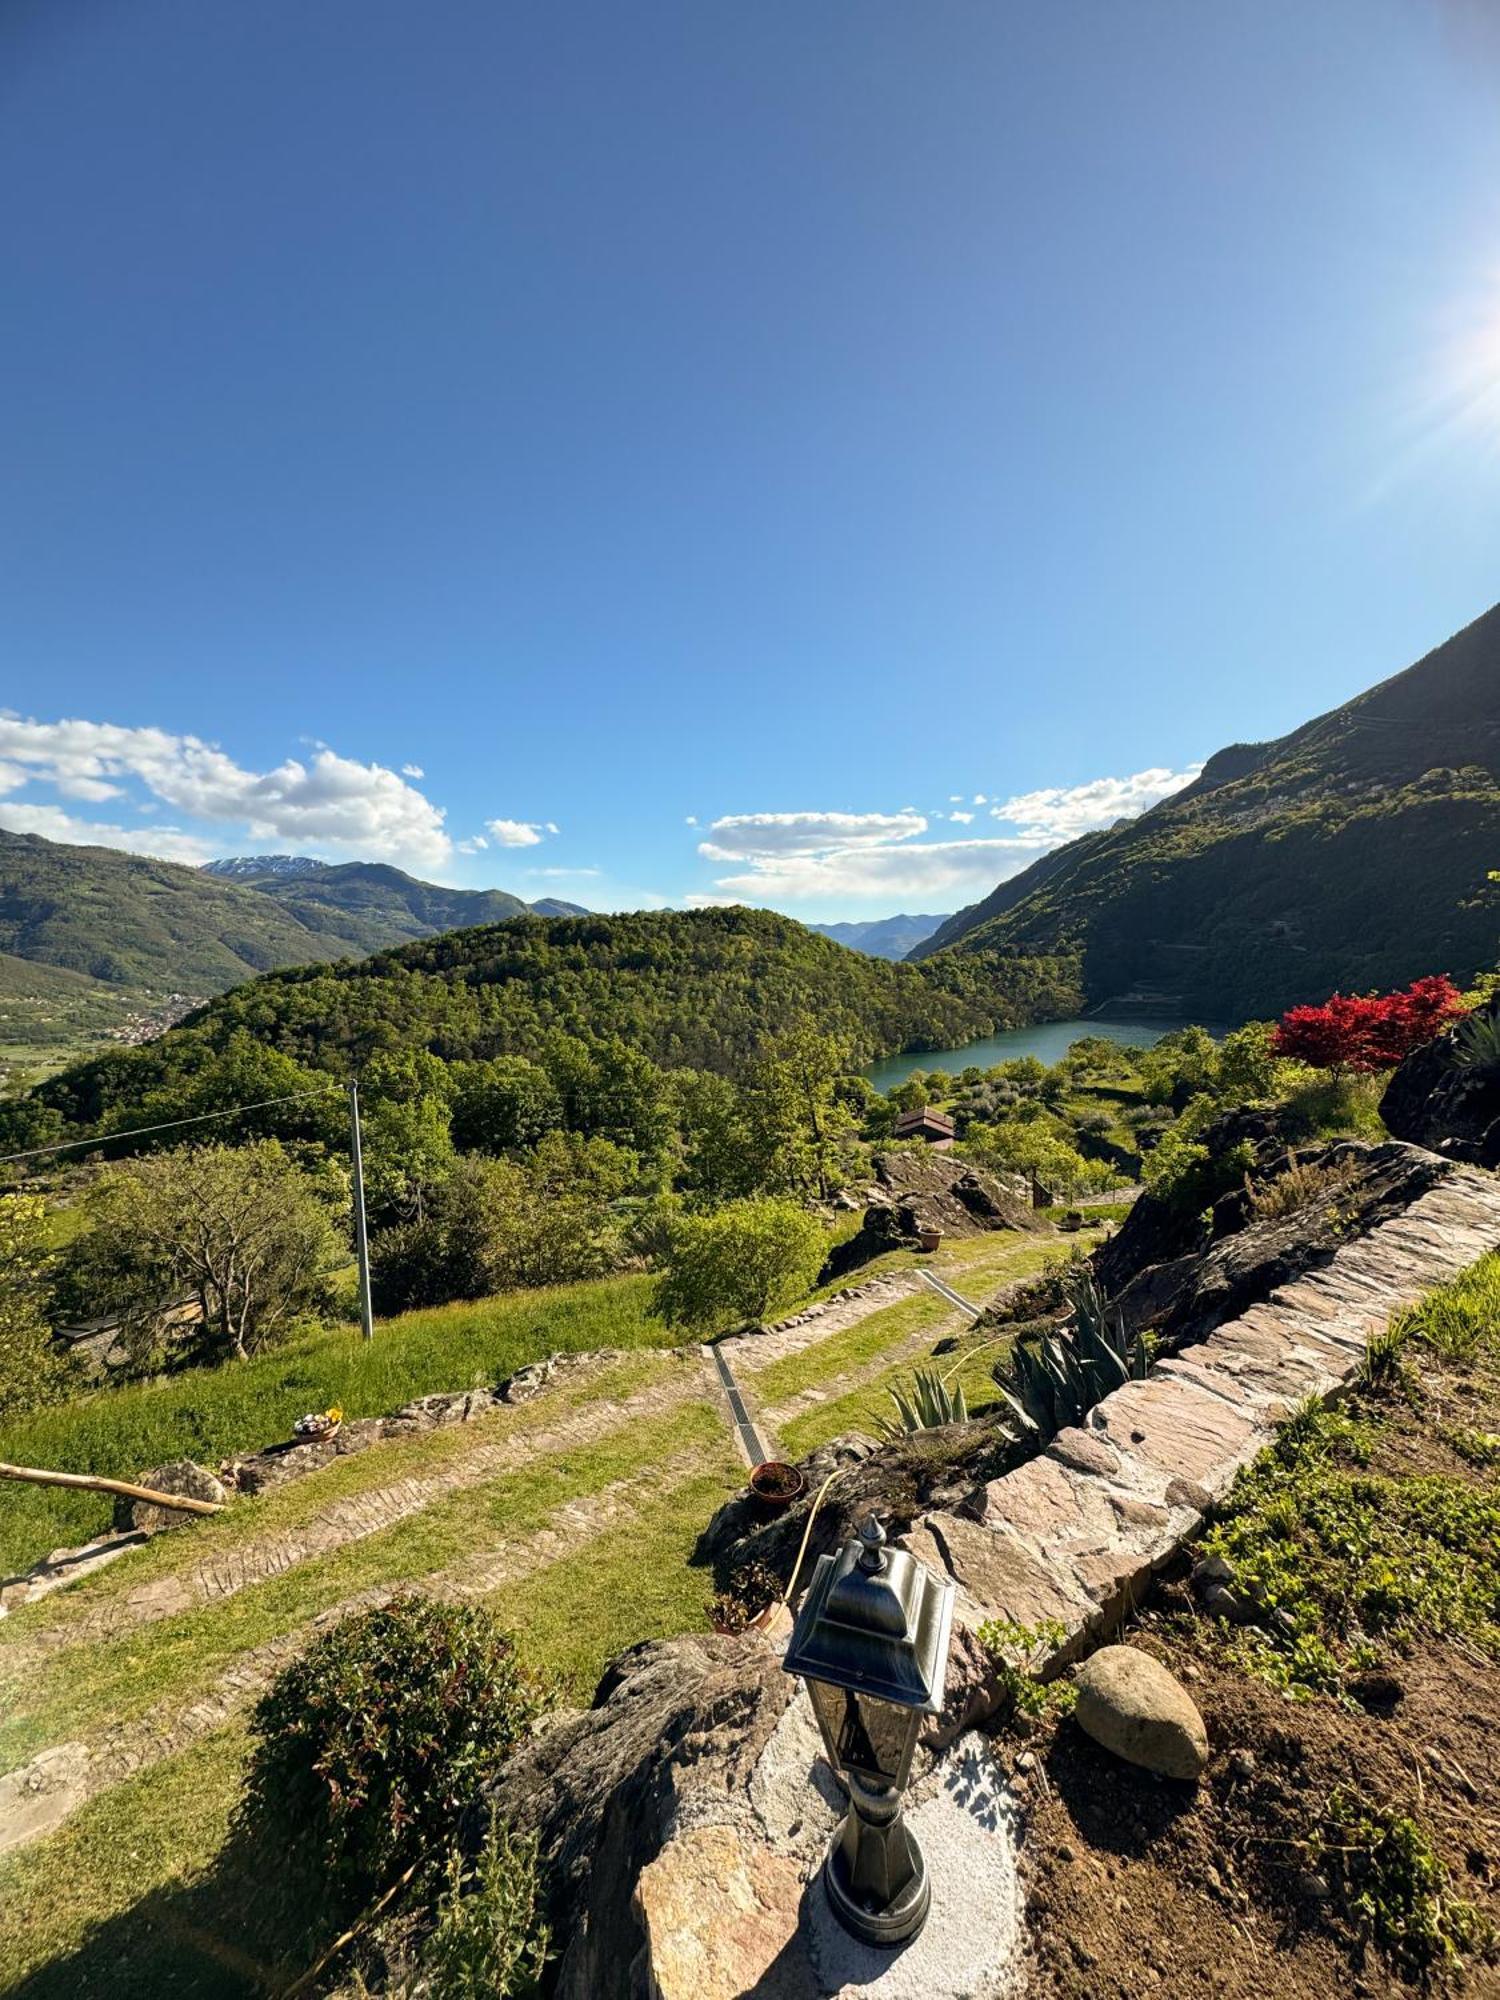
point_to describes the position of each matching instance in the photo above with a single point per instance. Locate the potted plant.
(930, 1239)
(750, 1602)
(775, 1486)
(318, 1426)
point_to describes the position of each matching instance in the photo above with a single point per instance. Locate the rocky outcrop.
(1181, 1277)
(1129, 1703)
(682, 1821)
(1454, 1109)
(915, 1192)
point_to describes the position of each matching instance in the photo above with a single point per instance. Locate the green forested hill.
(1353, 853)
(701, 988)
(137, 923)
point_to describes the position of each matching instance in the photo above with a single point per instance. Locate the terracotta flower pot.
(776, 1486)
(930, 1239)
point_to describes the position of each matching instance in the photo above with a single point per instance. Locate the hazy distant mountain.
(552, 906)
(367, 904)
(883, 937)
(1354, 854)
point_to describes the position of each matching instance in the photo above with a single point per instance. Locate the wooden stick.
(93, 1485)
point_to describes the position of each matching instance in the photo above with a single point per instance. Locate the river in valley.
(1048, 1043)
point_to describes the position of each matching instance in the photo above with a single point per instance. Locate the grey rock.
(1132, 1706)
(143, 1517)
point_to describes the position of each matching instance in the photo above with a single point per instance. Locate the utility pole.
(361, 1237)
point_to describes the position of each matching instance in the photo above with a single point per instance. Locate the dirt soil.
(1137, 1885)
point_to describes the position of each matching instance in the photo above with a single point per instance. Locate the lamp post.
(871, 1641)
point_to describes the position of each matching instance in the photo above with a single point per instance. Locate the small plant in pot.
(930, 1239)
(753, 1594)
(776, 1485)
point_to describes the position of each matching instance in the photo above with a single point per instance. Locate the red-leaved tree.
(1369, 1031)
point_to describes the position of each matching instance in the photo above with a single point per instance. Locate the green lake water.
(1049, 1043)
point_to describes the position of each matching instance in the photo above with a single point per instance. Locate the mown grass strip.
(175, 1660)
(283, 1510)
(208, 1413)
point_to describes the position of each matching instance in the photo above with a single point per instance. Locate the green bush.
(490, 1942)
(742, 1262)
(368, 1746)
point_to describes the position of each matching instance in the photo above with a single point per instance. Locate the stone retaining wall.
(1076, 1534)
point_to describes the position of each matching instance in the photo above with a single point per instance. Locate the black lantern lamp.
(871, 1641)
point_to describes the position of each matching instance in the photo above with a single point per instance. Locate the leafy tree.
(800, 1126)
(408, 1149)
(1245, 1072)
(1368, 1032)
(31, 1370)
(505, 1105)
(741, 1262)
(720, 1151)
(242, 1231)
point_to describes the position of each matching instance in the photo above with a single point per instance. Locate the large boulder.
(1129, 1703)
(1452, 1108)
(673, 1741)
(144, 1517)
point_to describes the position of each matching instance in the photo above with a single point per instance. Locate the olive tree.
(740, 1262)
(239, 1231)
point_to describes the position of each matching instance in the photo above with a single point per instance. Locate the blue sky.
(817, 454)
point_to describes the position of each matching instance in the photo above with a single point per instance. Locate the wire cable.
(168, 1125)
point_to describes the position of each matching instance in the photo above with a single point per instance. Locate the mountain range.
(1354, 853)
(883, 937)
(125, 931)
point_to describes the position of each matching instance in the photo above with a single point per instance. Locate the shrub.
(370, 1743)
(741, 1262)
(1181, 1170)
(1368, 1031)
(1298, 1187)
(490, 1941)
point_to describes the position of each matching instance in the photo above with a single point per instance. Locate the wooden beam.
(90, 1484)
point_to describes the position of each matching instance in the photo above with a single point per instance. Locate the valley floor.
(577, 1514)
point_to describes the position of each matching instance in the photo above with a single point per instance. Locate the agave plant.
(1052, 1382)
(927, 1406)
(1476, 1044)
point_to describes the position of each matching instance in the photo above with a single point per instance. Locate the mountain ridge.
(1353, 851)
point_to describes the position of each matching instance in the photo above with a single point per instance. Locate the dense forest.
(702, 990)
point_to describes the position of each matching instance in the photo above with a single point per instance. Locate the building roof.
(925, 1120)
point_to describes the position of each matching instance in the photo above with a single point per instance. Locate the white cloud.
(758, 836)
(562, 874)
(412, 771)
(328, 802)
(698, 901)
(922, 868)
(518, 832)
(1062, 813)
(167, 843)
(833, 857)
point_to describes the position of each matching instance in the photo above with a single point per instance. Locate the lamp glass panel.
(866, 1735)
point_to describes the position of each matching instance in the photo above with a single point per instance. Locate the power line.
(169, 1125)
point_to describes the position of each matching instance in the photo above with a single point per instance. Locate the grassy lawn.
(207, 1413)
(85, 1687)
(135, 1897)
